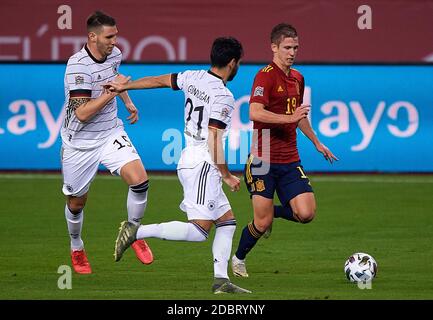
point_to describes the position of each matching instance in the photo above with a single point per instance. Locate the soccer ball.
(360, 267)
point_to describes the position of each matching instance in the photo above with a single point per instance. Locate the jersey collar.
(92, 57)
(215, 75)
(282, 73)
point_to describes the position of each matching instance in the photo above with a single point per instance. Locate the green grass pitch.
(387, 216)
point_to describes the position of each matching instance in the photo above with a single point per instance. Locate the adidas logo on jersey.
(280, 89)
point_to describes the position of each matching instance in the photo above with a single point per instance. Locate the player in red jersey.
(274, 165)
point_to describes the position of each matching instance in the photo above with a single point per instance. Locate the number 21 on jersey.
(193, 122)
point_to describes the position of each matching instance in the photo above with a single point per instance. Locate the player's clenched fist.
(118, 84)
(301, 112)
(233, 182)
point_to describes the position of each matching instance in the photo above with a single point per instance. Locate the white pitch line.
(374, 179)
(22, 176)
(320, 178)
(50, 176)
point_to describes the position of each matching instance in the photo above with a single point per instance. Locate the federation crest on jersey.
(224, 113)
(260, 185)
(79, 79)
(258, 91)
(211, 204)
(115, 67)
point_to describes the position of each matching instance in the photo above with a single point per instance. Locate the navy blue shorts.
(263, 179)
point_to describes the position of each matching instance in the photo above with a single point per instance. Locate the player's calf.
(136, 202)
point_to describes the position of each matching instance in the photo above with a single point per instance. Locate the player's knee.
(228, 216)
(201, 231)
(76, 207)
(137, 181)
(262, 224)
(305, 216)
(133, 173)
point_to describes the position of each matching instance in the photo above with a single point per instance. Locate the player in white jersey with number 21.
(202, 168)
(93, 134)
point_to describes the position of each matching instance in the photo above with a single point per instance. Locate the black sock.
(284, 212)
(249, 238)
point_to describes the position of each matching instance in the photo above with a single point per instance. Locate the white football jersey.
(207, 101)
(84, 76)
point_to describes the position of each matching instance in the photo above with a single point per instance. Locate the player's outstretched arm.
(305, 127)
(163, 81)
(259, 113)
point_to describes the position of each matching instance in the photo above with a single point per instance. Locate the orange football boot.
(80, 263)
(142, 251)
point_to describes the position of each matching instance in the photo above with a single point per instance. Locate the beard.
(108, 51)
(233, 74)
(104, 50)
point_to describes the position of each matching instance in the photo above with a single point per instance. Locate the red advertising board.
(183, 30)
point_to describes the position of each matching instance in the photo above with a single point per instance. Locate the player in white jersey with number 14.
(93, 134)
(202, 167)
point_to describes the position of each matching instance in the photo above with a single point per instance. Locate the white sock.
(173, 230)
(137, 202)
(75, 223)
(222, 247)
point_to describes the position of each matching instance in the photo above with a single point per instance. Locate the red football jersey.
(279, 94)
